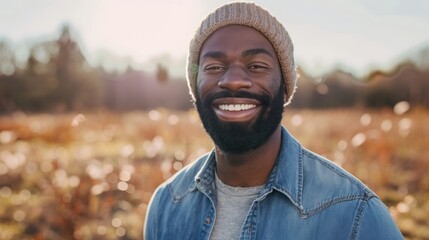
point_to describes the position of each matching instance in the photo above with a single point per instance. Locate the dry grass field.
(91, 175)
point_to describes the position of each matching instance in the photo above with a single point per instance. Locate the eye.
(258, 67)
(255, 66)
(214, 68)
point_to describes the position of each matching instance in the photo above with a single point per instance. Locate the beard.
(239, 138)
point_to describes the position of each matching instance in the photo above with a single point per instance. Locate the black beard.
(239, 138)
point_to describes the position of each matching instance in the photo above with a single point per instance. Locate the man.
(258, 182)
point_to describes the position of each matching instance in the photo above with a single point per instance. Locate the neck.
(251, 168)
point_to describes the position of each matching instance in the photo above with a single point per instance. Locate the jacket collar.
(204, 179)
(286, 176)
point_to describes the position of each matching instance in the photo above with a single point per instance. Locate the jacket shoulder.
(168, 192)
(375, 222)
(325, 183)
(184, 180)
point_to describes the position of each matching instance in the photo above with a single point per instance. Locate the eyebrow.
(214, 54)
(256, 51)
(247, 53)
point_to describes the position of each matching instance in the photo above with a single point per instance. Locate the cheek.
(204, 86)
(276, 83)
(271, 86)
(276, 88)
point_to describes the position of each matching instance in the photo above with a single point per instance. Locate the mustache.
(263, 98)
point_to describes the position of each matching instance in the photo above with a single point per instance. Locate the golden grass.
(91, 175)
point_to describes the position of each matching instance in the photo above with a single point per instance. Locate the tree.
(161, 73)
(7, 76)
(79, 85)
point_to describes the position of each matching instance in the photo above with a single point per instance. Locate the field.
(91, 175)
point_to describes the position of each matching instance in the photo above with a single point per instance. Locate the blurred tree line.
(56, 77)
(406, 82)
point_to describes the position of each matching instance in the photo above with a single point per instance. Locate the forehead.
(235, 39)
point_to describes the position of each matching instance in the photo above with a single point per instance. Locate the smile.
(236, 109)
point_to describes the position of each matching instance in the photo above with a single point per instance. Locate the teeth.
(236, 107)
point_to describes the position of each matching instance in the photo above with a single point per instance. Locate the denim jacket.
(305, 197)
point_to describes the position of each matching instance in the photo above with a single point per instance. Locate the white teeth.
(236, 107)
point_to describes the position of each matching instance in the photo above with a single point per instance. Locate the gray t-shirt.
(233, 205)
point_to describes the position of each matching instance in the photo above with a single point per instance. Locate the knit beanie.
(251, 15)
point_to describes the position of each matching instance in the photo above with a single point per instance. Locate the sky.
(355, 35)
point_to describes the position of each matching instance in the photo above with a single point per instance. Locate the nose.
(234, 79)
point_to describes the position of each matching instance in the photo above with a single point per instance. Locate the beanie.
(251, 15)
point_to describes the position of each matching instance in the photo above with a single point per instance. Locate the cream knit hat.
(248, 14)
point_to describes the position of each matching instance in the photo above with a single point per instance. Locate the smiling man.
(258, 182)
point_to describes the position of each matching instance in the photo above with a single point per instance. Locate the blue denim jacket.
(306, 197)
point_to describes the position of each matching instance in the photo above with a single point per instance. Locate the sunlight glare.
(19, 215)
(358, 139)
(166, 168)
(365, 119)
(5, 192)
(154, 115)
(101, 230)
(73, 181)
(7, 137)
(77, 120)
(342, 145)
(297, 120)
(177, 166)
(405, 126)
(13, 160)
(401, 107)
(123, 186)
(116, 222)
(148, 24)
(386, 125)
(125, 176)
(173, 119)
(179, 155)
(402, 207)
(120, 231)
(127, 150)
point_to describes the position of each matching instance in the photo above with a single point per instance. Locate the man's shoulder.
(308, 174)
(326, 175)
(325, 183)
(184, 180)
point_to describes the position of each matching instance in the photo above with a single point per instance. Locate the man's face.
(240, 93)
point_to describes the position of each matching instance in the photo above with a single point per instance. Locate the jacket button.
(208, 220)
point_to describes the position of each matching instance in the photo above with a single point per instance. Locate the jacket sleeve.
(377, 223)
(151, 225)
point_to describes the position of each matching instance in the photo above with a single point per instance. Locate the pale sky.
(353, 34)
